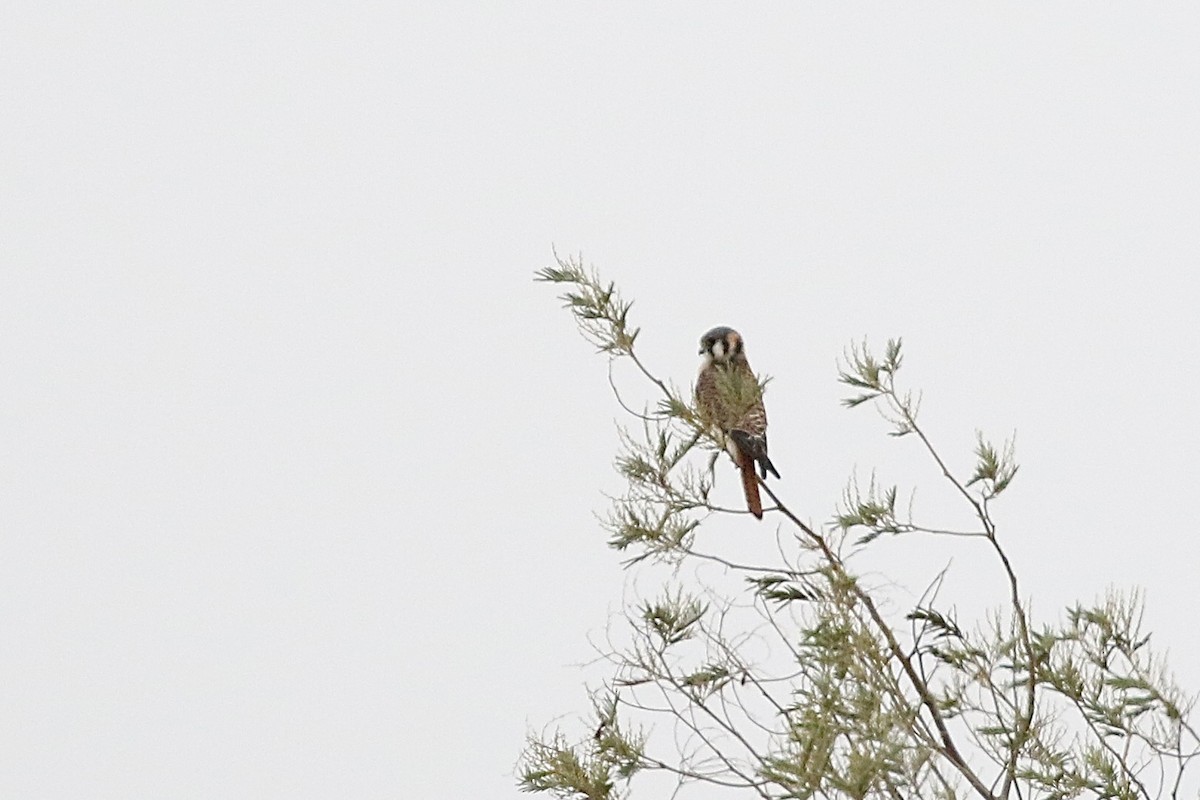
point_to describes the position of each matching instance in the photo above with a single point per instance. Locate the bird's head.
(721, 345)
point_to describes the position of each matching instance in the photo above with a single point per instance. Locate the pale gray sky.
(299, 467)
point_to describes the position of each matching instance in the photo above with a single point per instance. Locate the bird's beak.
(701, 351)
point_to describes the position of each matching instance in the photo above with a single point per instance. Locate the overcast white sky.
(299, 467)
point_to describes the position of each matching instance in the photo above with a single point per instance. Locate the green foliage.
(995, 469)
(874, 510)
(585, 770)
(803, 679)
(864, 371)
(601, 313)
(782, 588)
(672, 619)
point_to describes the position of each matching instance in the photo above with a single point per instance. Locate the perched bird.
(729, 399)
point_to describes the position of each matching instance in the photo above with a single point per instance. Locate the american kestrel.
(729, 399)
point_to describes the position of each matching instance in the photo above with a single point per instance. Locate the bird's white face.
(720, 345)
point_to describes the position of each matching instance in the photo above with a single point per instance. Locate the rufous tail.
(750, 486)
